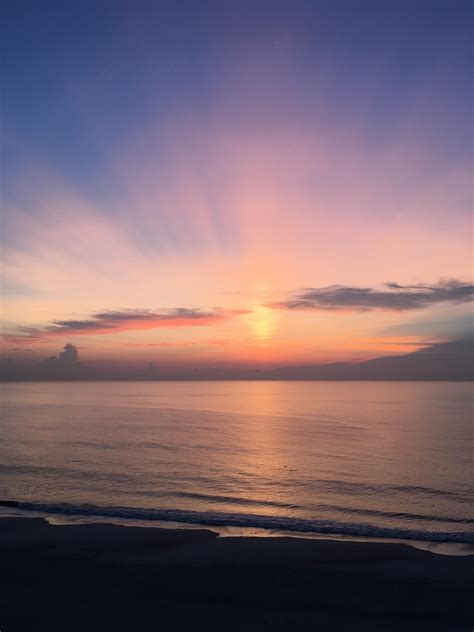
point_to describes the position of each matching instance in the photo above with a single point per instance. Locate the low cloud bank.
(438, 362)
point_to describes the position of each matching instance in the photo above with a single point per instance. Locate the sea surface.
(374, 459)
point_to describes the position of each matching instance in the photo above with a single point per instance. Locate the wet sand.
(110, 577)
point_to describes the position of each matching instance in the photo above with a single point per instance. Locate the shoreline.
(65, 515)
(435, 547)
(185, 575)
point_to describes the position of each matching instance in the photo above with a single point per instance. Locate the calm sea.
(390, 460)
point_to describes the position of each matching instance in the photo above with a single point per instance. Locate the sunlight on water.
(389, 459)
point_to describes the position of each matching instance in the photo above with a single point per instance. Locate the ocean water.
(375, 459)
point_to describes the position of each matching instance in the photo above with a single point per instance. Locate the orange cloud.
(112, 322)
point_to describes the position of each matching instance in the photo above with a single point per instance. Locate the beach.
(110, 577)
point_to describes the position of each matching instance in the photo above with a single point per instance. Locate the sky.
(235, 183)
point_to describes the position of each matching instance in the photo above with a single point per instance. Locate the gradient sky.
(210, 183)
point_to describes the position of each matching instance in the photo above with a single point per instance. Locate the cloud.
(116, 321)
(393, 297)
(63, 366)
(69, 354)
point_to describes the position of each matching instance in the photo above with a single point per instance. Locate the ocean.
(352, 459)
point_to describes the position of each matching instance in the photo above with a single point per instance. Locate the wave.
(258, 521)
(251, 502)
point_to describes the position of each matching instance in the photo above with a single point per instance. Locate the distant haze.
(446, 361)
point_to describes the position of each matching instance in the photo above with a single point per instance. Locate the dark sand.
(107, 577)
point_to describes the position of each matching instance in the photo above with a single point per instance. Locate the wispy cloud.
(187, 343)
(116, 321)
(392, 296)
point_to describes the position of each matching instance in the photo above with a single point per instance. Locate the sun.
(262, 322)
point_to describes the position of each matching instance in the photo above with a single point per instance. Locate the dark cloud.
(392, 296)
(115, 321)
(63, 366)
(118, 320)
(69, 354)
(177, 313)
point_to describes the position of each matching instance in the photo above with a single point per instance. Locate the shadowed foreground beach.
(108, 577)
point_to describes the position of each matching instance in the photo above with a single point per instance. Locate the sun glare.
(263, 323)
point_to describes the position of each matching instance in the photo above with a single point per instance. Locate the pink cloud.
(117, 321)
